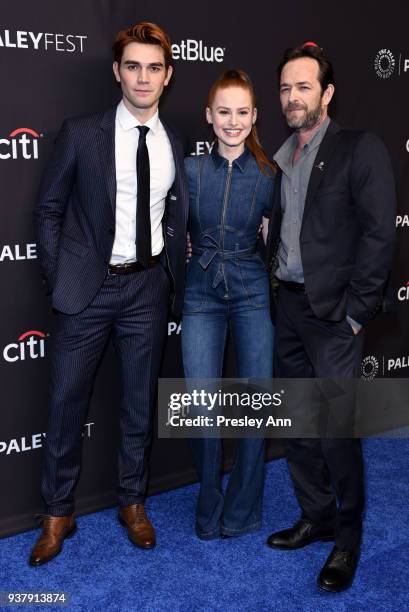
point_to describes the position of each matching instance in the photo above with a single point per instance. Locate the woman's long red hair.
(239, 78)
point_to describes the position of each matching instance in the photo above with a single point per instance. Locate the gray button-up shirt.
(294, 184)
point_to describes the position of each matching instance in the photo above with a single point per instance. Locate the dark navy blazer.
(348, 227)
(75, 213)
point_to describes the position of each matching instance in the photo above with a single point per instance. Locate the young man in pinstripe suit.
(111, 231)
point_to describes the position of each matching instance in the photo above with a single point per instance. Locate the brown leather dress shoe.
(140, 529)
(49, 544)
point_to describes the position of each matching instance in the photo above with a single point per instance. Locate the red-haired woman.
(227, 290)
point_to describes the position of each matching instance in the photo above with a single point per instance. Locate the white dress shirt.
(162, 173)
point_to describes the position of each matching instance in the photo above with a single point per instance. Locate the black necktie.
(143, 213)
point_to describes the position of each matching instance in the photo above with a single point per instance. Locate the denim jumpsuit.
(227, 288)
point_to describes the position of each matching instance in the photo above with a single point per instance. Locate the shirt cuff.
(354, 323)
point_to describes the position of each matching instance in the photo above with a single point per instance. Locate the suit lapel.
(325, 150)
(275, 219)
(106, 152)
(178, 159)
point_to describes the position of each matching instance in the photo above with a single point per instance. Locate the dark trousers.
(327, 473)
(134, 308)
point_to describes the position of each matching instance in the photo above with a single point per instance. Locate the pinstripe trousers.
(134, 308)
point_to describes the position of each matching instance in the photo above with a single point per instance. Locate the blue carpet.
(101, 570)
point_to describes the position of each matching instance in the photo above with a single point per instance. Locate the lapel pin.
(320, 166)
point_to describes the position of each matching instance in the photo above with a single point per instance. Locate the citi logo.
(195, 51)
(21, 143)
(403, 292)
(29, 345)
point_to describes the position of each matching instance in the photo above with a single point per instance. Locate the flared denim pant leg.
(203, 342)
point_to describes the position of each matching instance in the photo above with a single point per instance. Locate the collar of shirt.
(128, 122)
(284, 155)
(220, 161)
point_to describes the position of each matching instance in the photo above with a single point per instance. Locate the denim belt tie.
(208, 254)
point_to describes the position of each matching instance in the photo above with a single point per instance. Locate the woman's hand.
(264, 229)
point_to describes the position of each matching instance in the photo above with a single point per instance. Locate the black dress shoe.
(302, 534)
(339, 570)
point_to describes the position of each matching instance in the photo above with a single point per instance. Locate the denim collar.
(220, 161)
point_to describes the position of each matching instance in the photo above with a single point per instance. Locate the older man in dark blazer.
(111, 230)
(330, 246)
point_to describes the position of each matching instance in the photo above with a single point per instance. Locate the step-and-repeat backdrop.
(55, 62)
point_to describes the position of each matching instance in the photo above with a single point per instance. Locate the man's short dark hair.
(326, 71)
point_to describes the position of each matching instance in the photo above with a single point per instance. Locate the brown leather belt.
(134, 266)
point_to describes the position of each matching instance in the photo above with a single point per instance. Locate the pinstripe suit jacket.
(75, 213)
